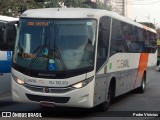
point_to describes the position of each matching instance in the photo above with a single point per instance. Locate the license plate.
(47, 104)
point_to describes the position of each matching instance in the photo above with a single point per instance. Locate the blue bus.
(8, 27)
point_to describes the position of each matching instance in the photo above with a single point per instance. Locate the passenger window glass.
(127, 38)
(118, 43)
(2, 35)
(10, 36)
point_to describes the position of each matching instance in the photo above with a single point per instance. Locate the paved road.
(125, 105)
(5, 79)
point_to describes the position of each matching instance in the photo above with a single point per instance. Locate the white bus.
(7, 40)
(80, 57)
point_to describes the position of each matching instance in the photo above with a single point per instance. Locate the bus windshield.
(55, 46)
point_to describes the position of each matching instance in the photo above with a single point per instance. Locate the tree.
(151, 25)
(51, 3)
(74, 3)
(6, 8)
(101, 5)
(16, 7)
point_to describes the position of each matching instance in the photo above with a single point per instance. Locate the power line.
(144, 3)
(140, 2)
(143, 0)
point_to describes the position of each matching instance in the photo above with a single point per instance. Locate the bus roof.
(7, 19)
(78, 13)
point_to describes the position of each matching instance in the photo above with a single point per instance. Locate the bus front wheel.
(105, 105)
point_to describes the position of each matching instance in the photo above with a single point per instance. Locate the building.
(120, 6)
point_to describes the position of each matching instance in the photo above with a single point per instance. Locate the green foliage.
(71, 3)
(51, 3)
(151, 25)
(16, 7)
(74, 3)
(100, 5)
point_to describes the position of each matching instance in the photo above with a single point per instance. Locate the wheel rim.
(143, 85)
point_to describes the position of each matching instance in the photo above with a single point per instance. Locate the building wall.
(129, 9)
(117, 6)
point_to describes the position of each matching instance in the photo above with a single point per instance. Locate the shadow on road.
(66, 112)
(6, 103)
(70, 112)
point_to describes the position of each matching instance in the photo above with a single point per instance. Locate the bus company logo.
(122, 63)
(30, 80)
(33, 81)
(46, 90)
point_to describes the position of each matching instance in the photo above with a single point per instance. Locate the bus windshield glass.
(55, 46)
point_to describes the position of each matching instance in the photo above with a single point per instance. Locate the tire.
(141, 89)
(105, 105)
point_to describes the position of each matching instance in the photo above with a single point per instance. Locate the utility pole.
(123, 7)
(154, 23)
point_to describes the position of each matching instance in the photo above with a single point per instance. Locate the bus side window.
(1, 35)
(117, 38)
(103, 40)
(10, 36)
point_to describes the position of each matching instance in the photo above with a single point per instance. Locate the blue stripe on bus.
(5, 66)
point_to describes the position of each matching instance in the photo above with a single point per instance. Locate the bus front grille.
(51, 89)
(38, 98)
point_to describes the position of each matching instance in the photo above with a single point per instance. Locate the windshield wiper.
(37, 51)
(61, 60)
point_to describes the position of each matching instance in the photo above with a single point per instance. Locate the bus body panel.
(5, 61)
(7, 19)
(101, 88)
(126, 79)
(49, 82)
(82, 97)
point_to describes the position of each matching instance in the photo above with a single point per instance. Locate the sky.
(145, 11)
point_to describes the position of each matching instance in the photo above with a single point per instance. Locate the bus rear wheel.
(141, 89)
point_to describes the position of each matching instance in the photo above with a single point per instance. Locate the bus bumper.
(82, 97)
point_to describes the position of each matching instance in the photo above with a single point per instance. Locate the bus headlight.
(82, 83)
(17, 80)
